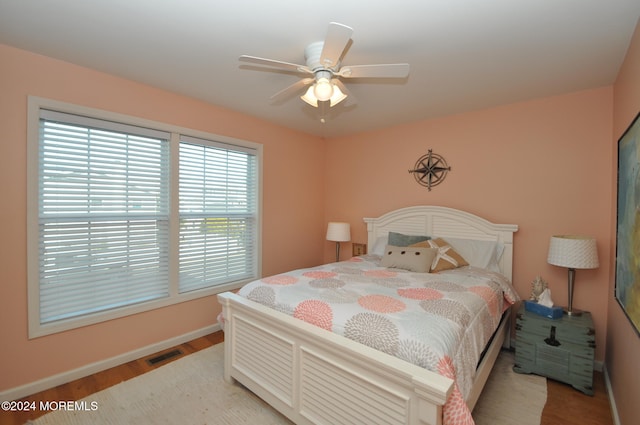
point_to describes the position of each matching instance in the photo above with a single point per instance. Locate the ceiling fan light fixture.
(309, 97)
(323, 89)
(312, 98)
(337, 96)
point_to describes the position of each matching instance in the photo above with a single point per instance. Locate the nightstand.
(561, 349)
(358, 249)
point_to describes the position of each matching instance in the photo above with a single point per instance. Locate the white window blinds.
(127, 215)
(218, 214)
(103, 215)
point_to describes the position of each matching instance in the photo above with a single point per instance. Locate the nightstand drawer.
(576, 330)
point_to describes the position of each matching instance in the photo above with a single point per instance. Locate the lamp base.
(572, 312)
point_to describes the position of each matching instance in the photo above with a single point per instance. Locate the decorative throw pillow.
(399, 239)
(414, 259)
(446, 258)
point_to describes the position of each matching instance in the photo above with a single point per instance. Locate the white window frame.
(35, 104)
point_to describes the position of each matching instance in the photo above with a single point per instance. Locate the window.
(125, 215)
(217, 213)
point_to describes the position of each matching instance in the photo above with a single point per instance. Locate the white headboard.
(442, 222)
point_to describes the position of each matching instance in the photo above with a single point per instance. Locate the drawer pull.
(552, 338)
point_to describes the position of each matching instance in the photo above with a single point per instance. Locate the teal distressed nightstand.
(561, 349)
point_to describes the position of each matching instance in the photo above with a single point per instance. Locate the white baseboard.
(612, 400)
(62, 378)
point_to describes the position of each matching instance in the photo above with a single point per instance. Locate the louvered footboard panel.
(334, 394)
(266, 358)
(316, 377)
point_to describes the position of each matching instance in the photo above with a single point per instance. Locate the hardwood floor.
(568, 406)
(564, 404)
(83, 387)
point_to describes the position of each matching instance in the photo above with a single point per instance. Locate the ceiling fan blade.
(392, 70)
(335, 42)
(291, 90)
(276, 64)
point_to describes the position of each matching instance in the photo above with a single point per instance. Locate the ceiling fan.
(323, 69)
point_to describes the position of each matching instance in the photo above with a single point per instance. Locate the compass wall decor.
(430, 170)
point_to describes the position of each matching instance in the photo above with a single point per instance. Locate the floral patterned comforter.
(439, 321)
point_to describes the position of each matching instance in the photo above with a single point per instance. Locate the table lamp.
(574, 252)
(338, 232)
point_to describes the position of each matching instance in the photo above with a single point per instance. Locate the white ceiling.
(464, 54)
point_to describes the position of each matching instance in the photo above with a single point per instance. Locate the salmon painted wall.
(293, 209)
(544, 165)
(623, 344)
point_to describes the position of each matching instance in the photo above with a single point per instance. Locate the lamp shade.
(335, 96)
(574, 252)
(338, 232)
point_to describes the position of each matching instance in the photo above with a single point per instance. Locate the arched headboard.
(444, 222)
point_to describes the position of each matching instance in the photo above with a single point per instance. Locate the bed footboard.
(313, 376)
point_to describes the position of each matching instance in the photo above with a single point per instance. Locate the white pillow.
(379, 245)
(483, 254)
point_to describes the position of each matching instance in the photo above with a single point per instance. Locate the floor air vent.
(162, 357)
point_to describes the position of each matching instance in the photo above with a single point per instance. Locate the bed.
(313, 376)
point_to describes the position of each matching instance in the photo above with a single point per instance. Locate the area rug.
(191, 390)
(510, 398)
